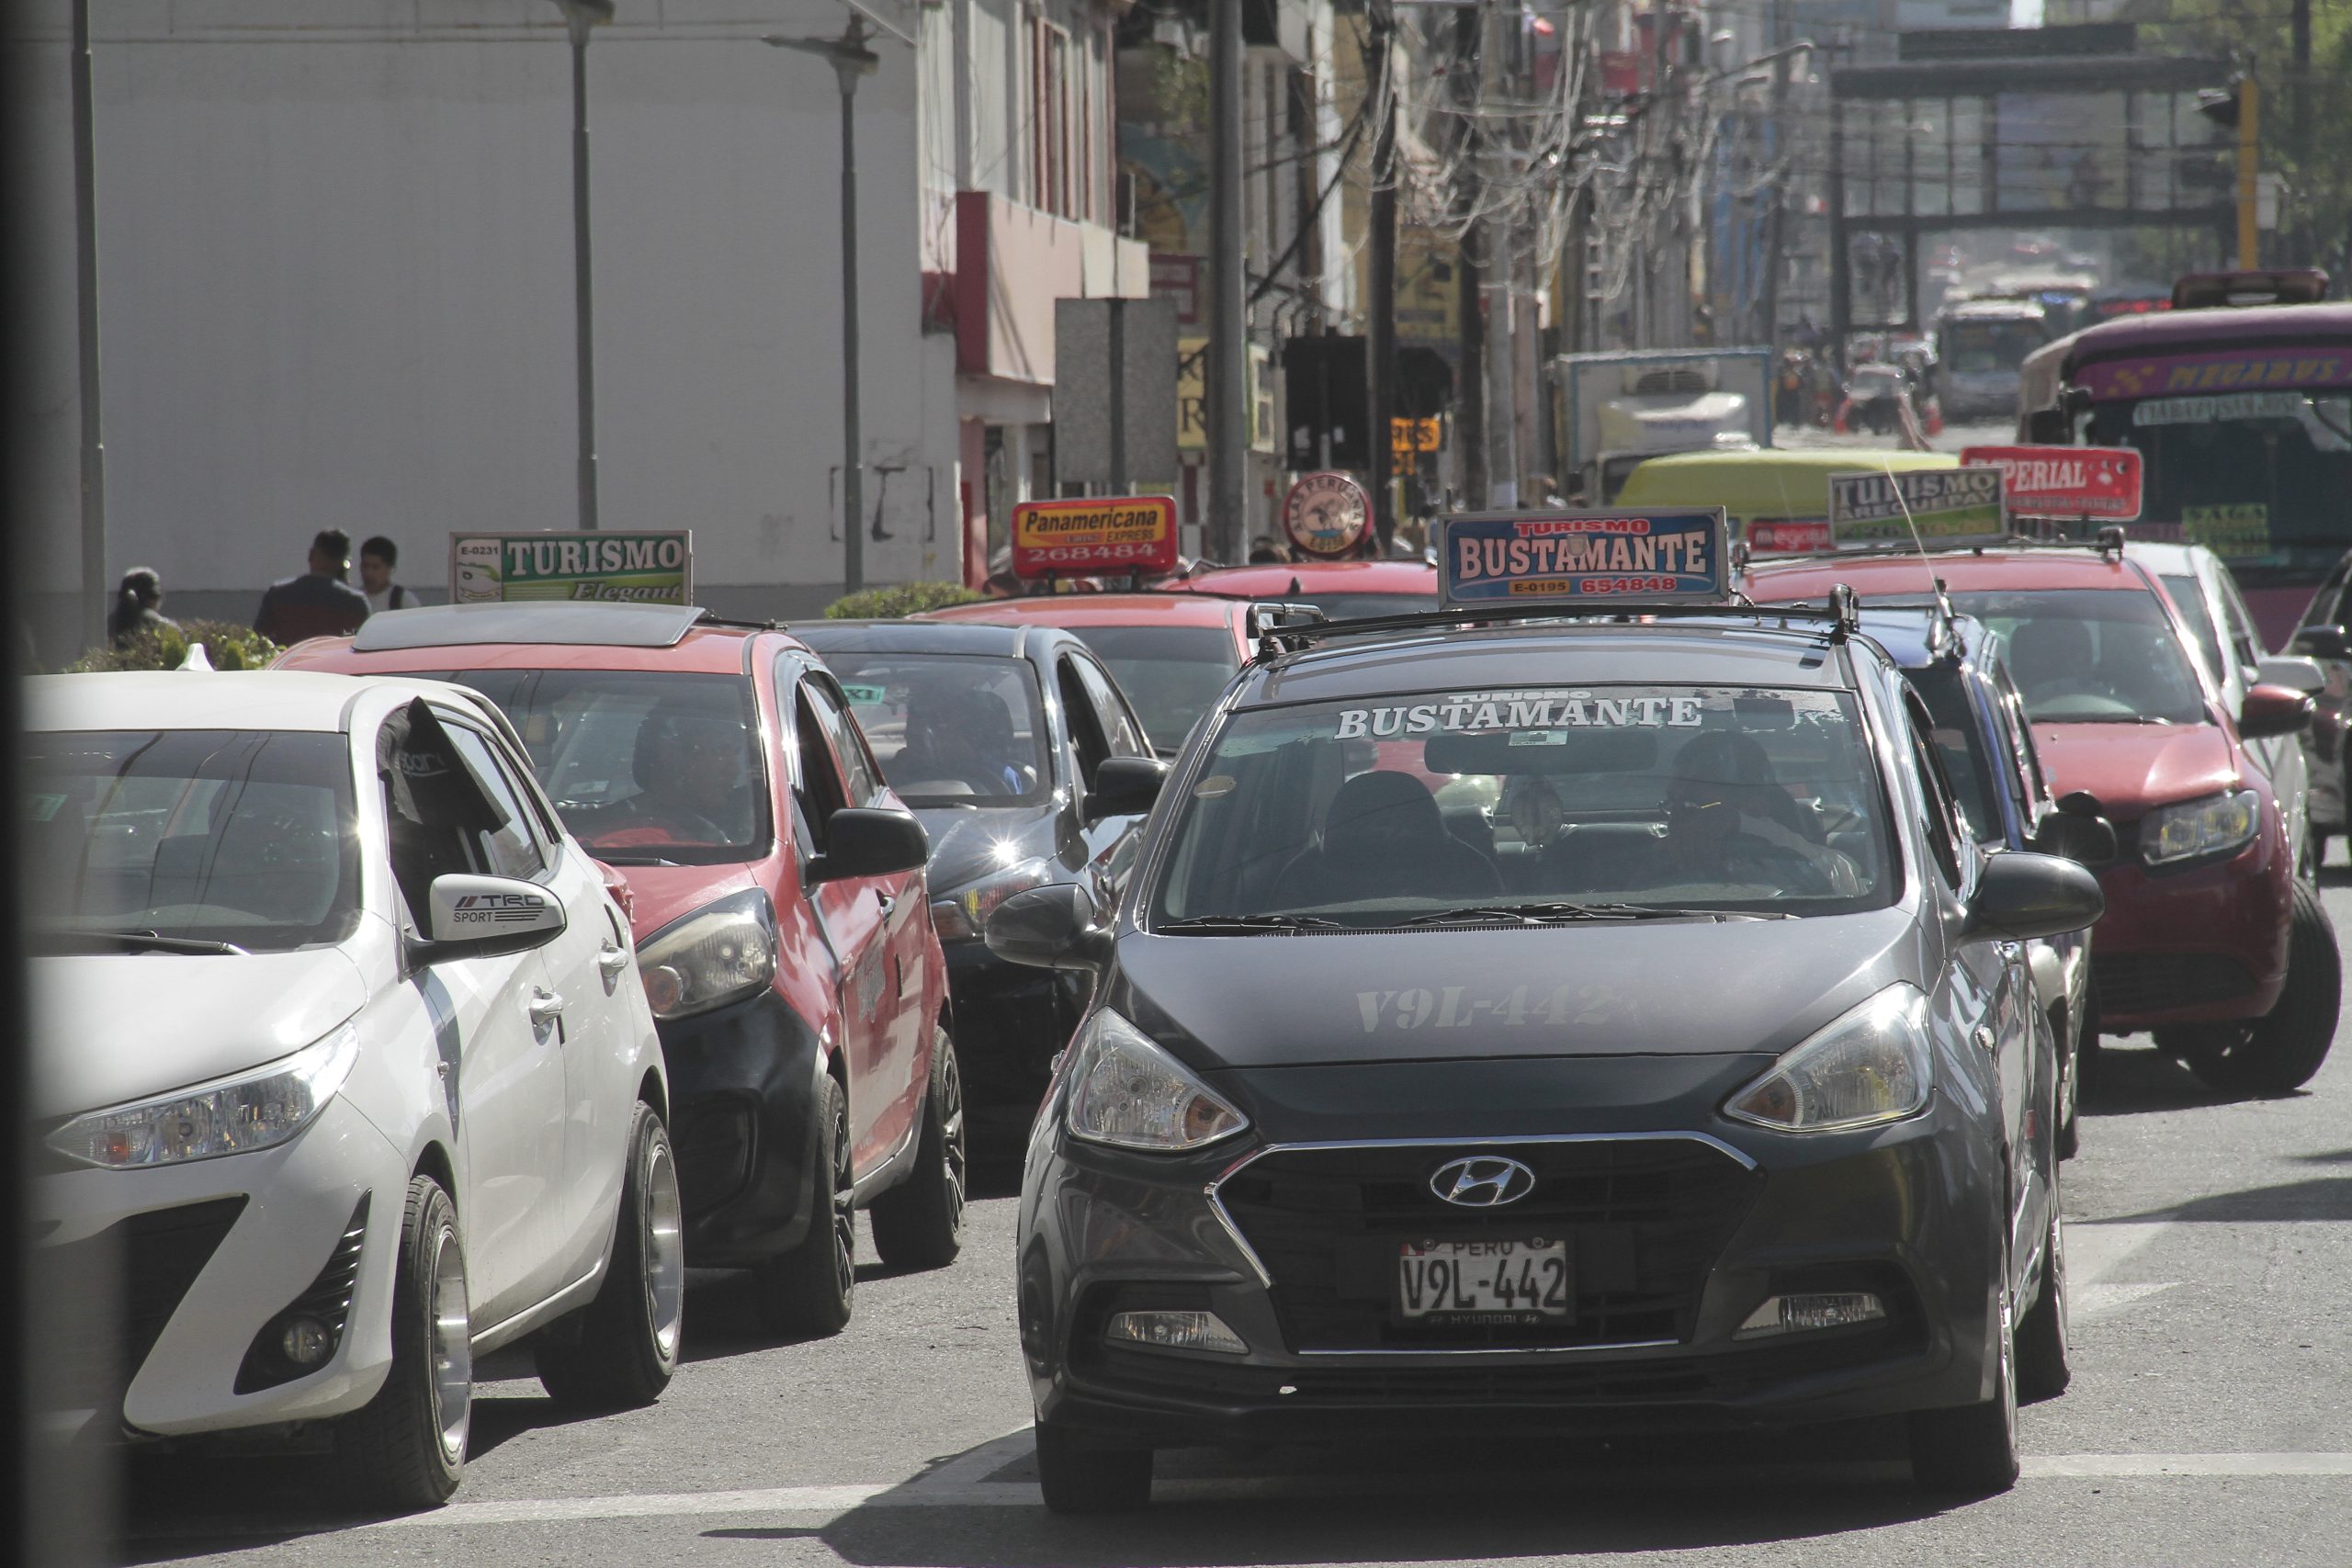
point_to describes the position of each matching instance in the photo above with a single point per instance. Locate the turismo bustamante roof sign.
(1583, 559)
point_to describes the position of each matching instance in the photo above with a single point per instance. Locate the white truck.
(1617, 408)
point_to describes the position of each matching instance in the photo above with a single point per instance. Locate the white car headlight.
(1871, 1065)
(230, 1116)
(721, 951)
(2216, 825)
(1127, 1091)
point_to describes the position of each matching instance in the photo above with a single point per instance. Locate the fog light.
(1822, 1309)
(1177, 1331)
(305, 1341)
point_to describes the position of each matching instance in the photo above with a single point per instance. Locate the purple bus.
(2243, 417)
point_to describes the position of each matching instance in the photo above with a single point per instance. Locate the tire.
(2067, 1140)
(618, 1351)
(2281, 1051)
(2319, 851)
(406, 1449)
(807, 1293)
(919, 1223)
(2044, 1367)
(1971, 1451)
(1080, 1475)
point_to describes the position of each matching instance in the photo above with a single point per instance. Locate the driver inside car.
(691, 789)
(2050, 657)
(959, 735)
(1729, 820)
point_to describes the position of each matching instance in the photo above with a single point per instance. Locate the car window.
(1941, 815)
(2187, 596)
(1959, 741)
(2245, 638)
(1172, 674)
(2025, 777)
(238, 836)
(1118, 722)
(1077, 711)
(817, 791)
(951, 730)
(506, 849)
(2092, 656)
(862, 778)
(1370, 812)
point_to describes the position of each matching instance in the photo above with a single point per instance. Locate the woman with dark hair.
(138, 606)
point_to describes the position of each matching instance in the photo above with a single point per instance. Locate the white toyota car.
(344, 1073)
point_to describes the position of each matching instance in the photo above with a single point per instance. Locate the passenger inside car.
(1382, 837)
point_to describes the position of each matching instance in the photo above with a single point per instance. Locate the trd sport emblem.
(1482, 1181)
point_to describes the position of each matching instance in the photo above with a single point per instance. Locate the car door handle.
(1985, 1039)
(612, 961)
(544, 1008)
(884, 899)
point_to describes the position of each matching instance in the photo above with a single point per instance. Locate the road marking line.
(832, 1500)
(2094, 1251)
(2118, 1467)
(2085, 1302)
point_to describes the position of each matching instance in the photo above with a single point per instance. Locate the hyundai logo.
(1482, 1181)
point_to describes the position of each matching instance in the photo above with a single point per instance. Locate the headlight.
(2197, 829)
(962, 915)
(1869, 1066)
(232, 1116)
(1127, 1091)
(719, 953)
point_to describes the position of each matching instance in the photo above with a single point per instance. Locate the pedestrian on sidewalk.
(320, 602)
(378, 557)
(137, 607)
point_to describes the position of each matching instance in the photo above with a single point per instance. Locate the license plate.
(1507, 1281)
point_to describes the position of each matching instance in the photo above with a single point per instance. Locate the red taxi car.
(780, 918)
(1172, 653)
(1342, 590)
(2211, 939)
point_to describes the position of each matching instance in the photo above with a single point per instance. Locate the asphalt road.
(2210, 1421)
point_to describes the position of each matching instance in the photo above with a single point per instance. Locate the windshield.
(951, 730)
(2092, 656)
(644, 765)
(1373, 811)
(202, 836)
(1978, 347)
(2264, 479)
(1172, 674)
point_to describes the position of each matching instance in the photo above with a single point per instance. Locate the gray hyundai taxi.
(1548, 1024)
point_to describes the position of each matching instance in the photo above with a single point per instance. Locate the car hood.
(1647, 988)
(969, 843)
(116, 1027)
(2134, 767)
(660, 894)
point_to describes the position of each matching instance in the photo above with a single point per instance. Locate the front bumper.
(742, 1087)
(2203, 945)
(1677, 1236)
(1010, 1022)
(152, 1285)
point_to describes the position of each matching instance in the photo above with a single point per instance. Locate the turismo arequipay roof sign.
(1583, 559)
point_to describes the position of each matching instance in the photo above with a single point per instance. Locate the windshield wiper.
(152, 941)
(1240, 925)
(1569, 914)
(630, 859)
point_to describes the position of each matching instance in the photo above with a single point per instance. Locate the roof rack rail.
(1843, 613)
(1266, 616)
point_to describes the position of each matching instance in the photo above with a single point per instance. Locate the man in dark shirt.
(318, 603)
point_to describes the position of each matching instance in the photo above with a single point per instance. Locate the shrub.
(898, 602)
(226, 644)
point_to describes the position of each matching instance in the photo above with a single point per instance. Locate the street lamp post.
(850, 58)
(578, 16)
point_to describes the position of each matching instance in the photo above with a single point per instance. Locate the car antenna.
(1943, 599)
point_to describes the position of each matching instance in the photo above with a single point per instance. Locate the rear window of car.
(1172, 674)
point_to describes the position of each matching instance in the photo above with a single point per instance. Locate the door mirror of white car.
(2296, 674)
(479, 916)
(2323, 642)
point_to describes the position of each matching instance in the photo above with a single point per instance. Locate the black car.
(1713, 1092)
(998, 738)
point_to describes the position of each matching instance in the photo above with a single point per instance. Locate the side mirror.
(2086, 838)
(482, 917)
(863, 841)
(2021, 897)
(2323, 642)
(2273, 710)
(2048, 427)
(2296, 674)
(1123, 786)
(1048, 928)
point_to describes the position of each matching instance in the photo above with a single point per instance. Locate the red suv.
(777, 890)
(2211, 939)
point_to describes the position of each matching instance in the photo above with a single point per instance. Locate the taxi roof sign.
(1085, 536)
(1590, 559)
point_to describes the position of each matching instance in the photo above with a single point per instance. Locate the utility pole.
(2298, 123)
(850, 59)
(1470, 405)
(1381, 346)
(2249, 171)
(579, 17)
(1227, 386)
(1501, 276)
(1777, 146)
(95, 598)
